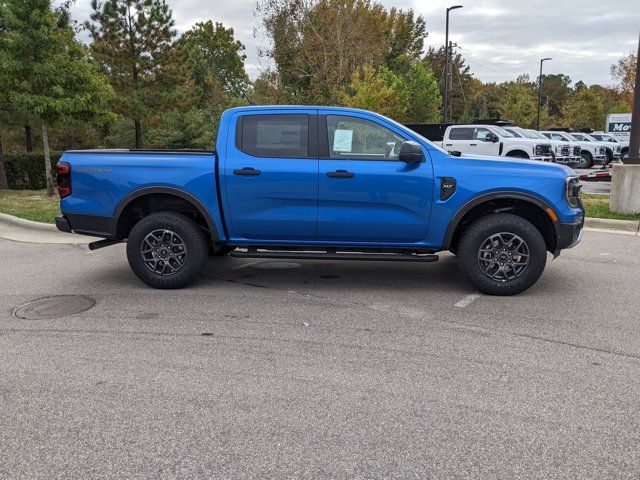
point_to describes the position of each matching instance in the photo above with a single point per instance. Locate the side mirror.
(491, 137)
(411, 152)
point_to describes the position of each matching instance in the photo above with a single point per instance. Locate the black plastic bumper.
(94, 225)
(63, 224)
(570, 235)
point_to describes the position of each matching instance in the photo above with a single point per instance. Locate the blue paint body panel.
(293, 202)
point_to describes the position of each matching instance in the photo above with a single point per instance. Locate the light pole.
(540, 91)
(447, 61)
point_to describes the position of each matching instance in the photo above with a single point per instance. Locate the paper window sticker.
(342, 140)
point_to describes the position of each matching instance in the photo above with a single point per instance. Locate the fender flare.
(519, 150)
(141, 192)
(474, 202)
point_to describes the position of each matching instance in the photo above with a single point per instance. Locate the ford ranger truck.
(494, 140)
(321, 183)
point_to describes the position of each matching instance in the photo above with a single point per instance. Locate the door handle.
(449, 144)
(340, 174)
(473, 144)
(246, 171)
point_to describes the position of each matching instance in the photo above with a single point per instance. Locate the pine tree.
(133, 42)
(44, 71)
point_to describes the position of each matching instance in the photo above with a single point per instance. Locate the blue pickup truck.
(321, 183)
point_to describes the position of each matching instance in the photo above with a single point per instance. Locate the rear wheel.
(167, 250)
(502, 254)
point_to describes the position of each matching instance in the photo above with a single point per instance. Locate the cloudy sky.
(499, 38)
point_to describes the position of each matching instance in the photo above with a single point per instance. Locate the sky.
(500, 39)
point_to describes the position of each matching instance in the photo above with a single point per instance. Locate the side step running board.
(378, 257)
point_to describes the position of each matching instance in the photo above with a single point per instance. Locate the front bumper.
(570, 235)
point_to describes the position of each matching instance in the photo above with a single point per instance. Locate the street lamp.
(540, 91)
(447, 61)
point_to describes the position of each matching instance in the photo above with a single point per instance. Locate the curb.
(609, 224)
(21, 222)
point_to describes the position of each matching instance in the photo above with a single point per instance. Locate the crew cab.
(620, 148)
(494, 140)
(591, 152)
(563, 151)
(610, 155)
(321, 183)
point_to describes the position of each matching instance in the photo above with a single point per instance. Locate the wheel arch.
(138, 196)
(517, 152)
(523, 204)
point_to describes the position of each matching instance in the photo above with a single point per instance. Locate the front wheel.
(167, 250)
(502, 254)
(585, 160)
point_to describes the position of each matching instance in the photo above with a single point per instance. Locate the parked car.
(494, 140)
(620, 147)
(590, 152)
(321, 183)
(608, 151)
(563, 150)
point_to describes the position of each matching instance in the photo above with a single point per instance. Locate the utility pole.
(634, 138)
(449, 111)
(447, 70)
(540, 91)
(625, 182)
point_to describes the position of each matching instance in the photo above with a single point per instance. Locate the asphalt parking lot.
(270, 369)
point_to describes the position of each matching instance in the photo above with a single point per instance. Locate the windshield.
(502, 132)
(516, 133)
(534, 134)
(579, 136)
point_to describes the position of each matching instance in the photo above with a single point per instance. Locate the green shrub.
(25, 171)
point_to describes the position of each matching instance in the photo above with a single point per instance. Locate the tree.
(44, 70)
(625, 73)
(379, 90)
(318, 45)
(405, 40)
(133, 42)
(555, 91)
(519, 103)
(584, 109)
(424, 99)
(460, 80)
(214, 58)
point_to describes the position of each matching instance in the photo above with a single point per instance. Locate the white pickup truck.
(620, 147)
(591, 151)
(494, 140)
(563, 150)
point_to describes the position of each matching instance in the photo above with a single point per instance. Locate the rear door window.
(283, 136)
(461, 134)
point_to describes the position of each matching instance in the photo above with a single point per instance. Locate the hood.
(521, 163)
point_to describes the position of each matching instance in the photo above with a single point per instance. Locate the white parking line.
(466, 301)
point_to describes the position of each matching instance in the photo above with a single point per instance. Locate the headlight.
(572, 191)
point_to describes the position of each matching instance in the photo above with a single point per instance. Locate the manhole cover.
(276, 265)
(54, 307)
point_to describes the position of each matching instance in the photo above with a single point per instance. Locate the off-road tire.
(187, 230)
(483, 228)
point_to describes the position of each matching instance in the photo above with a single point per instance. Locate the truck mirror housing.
(411, 152)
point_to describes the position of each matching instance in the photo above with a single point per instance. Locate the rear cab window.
(274, 135)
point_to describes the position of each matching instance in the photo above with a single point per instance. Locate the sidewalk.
(20, 230)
